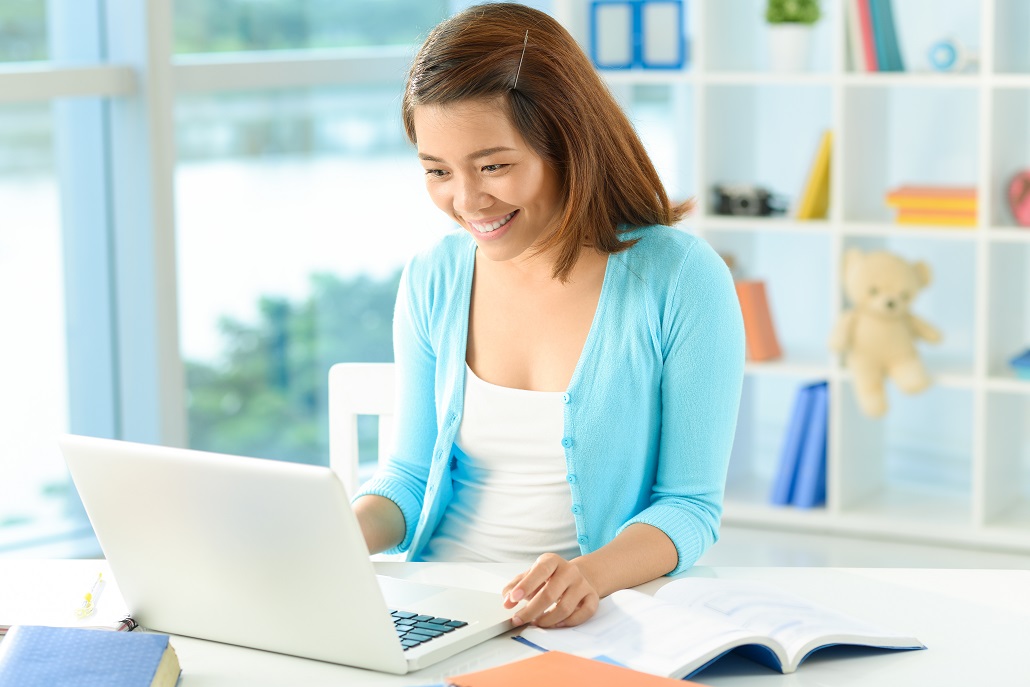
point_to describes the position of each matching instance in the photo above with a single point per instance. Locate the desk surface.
(975, 623)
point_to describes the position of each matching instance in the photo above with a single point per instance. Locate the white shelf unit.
(950, 465)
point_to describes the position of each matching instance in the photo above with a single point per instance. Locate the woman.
(569, 366)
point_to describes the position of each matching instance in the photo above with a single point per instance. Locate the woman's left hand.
(558, 594)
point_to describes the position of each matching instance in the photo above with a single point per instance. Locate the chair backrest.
(358, 389)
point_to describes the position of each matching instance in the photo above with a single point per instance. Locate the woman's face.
(481, 172)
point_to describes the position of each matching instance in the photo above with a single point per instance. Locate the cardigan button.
(576, 509)
(582, 539)
(567, 442)
(565, 398)
(571, 478)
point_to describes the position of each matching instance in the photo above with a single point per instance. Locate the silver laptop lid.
(254, 552)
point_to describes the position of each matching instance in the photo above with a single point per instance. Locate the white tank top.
(511, 499)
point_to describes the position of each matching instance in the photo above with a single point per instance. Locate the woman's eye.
(493, 168)
(435, 172)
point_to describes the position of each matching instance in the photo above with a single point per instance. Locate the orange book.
(967, 192)
(759, 331)
(558, 669)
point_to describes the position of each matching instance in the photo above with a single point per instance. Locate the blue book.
(783, 481)
(891, 38)
(888, 54)
(39, 656)
(810, 483)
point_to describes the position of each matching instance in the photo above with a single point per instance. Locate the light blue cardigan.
(650, 410)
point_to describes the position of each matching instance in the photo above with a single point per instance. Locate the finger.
(535, 577)
(550, 594)
(586, 610)
(510, 602)
(511, 585)
(565, 607)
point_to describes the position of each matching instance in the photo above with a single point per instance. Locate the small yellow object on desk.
(89, 603)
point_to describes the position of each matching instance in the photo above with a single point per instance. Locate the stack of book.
(943, 206)
(872, 37)
(800, 478)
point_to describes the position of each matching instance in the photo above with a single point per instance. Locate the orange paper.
(558, 669)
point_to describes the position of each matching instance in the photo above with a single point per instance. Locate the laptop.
(262, 554)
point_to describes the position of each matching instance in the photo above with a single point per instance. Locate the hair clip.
(525, 42)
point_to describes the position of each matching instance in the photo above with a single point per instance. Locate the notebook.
(262, 554)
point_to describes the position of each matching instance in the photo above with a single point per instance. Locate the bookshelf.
(950, 465)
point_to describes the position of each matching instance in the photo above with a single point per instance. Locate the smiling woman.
(569, 365)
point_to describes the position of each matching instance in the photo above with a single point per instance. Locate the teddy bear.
(878, 334)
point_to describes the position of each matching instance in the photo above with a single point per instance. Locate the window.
(35, 498)
(23, 31)
(296, 210)
(239, 25)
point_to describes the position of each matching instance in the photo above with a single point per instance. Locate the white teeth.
(493, 226)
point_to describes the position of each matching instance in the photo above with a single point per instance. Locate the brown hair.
(563, 110)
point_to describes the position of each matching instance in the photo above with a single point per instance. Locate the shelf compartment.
(1008, 309)
(1010, 149)
(775, 150)
(922, 23)
(1007, 469)
(915, 464)
(895, 135)
(1011, 49)
(743, 43)
(789, 264)
(765, 407)
(948, 303)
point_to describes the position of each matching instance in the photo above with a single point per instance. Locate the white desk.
(976, 624)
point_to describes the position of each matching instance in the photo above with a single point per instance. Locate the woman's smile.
(492, 228)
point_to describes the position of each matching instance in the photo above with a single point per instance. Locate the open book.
(691, 622)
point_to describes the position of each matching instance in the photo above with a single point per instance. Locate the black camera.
(745, 200)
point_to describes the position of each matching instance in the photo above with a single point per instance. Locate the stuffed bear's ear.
(923, 272)
(852, 260)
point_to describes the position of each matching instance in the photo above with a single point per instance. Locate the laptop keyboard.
(414, 629)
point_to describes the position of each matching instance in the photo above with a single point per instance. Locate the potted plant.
(790, 33)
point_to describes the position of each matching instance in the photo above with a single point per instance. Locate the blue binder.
(619, 32)
(793, 443)
(810, 483)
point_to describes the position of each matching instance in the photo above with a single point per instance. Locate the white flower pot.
(790, 47)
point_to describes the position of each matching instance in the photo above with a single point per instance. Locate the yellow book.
(815, 199)
(940, 219)
(933, 204)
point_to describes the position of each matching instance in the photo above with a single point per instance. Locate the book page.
(645, 634)
(797, 625)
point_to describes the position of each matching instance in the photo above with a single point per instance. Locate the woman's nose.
(470, 198)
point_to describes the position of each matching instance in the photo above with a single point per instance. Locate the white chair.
(358, 389)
